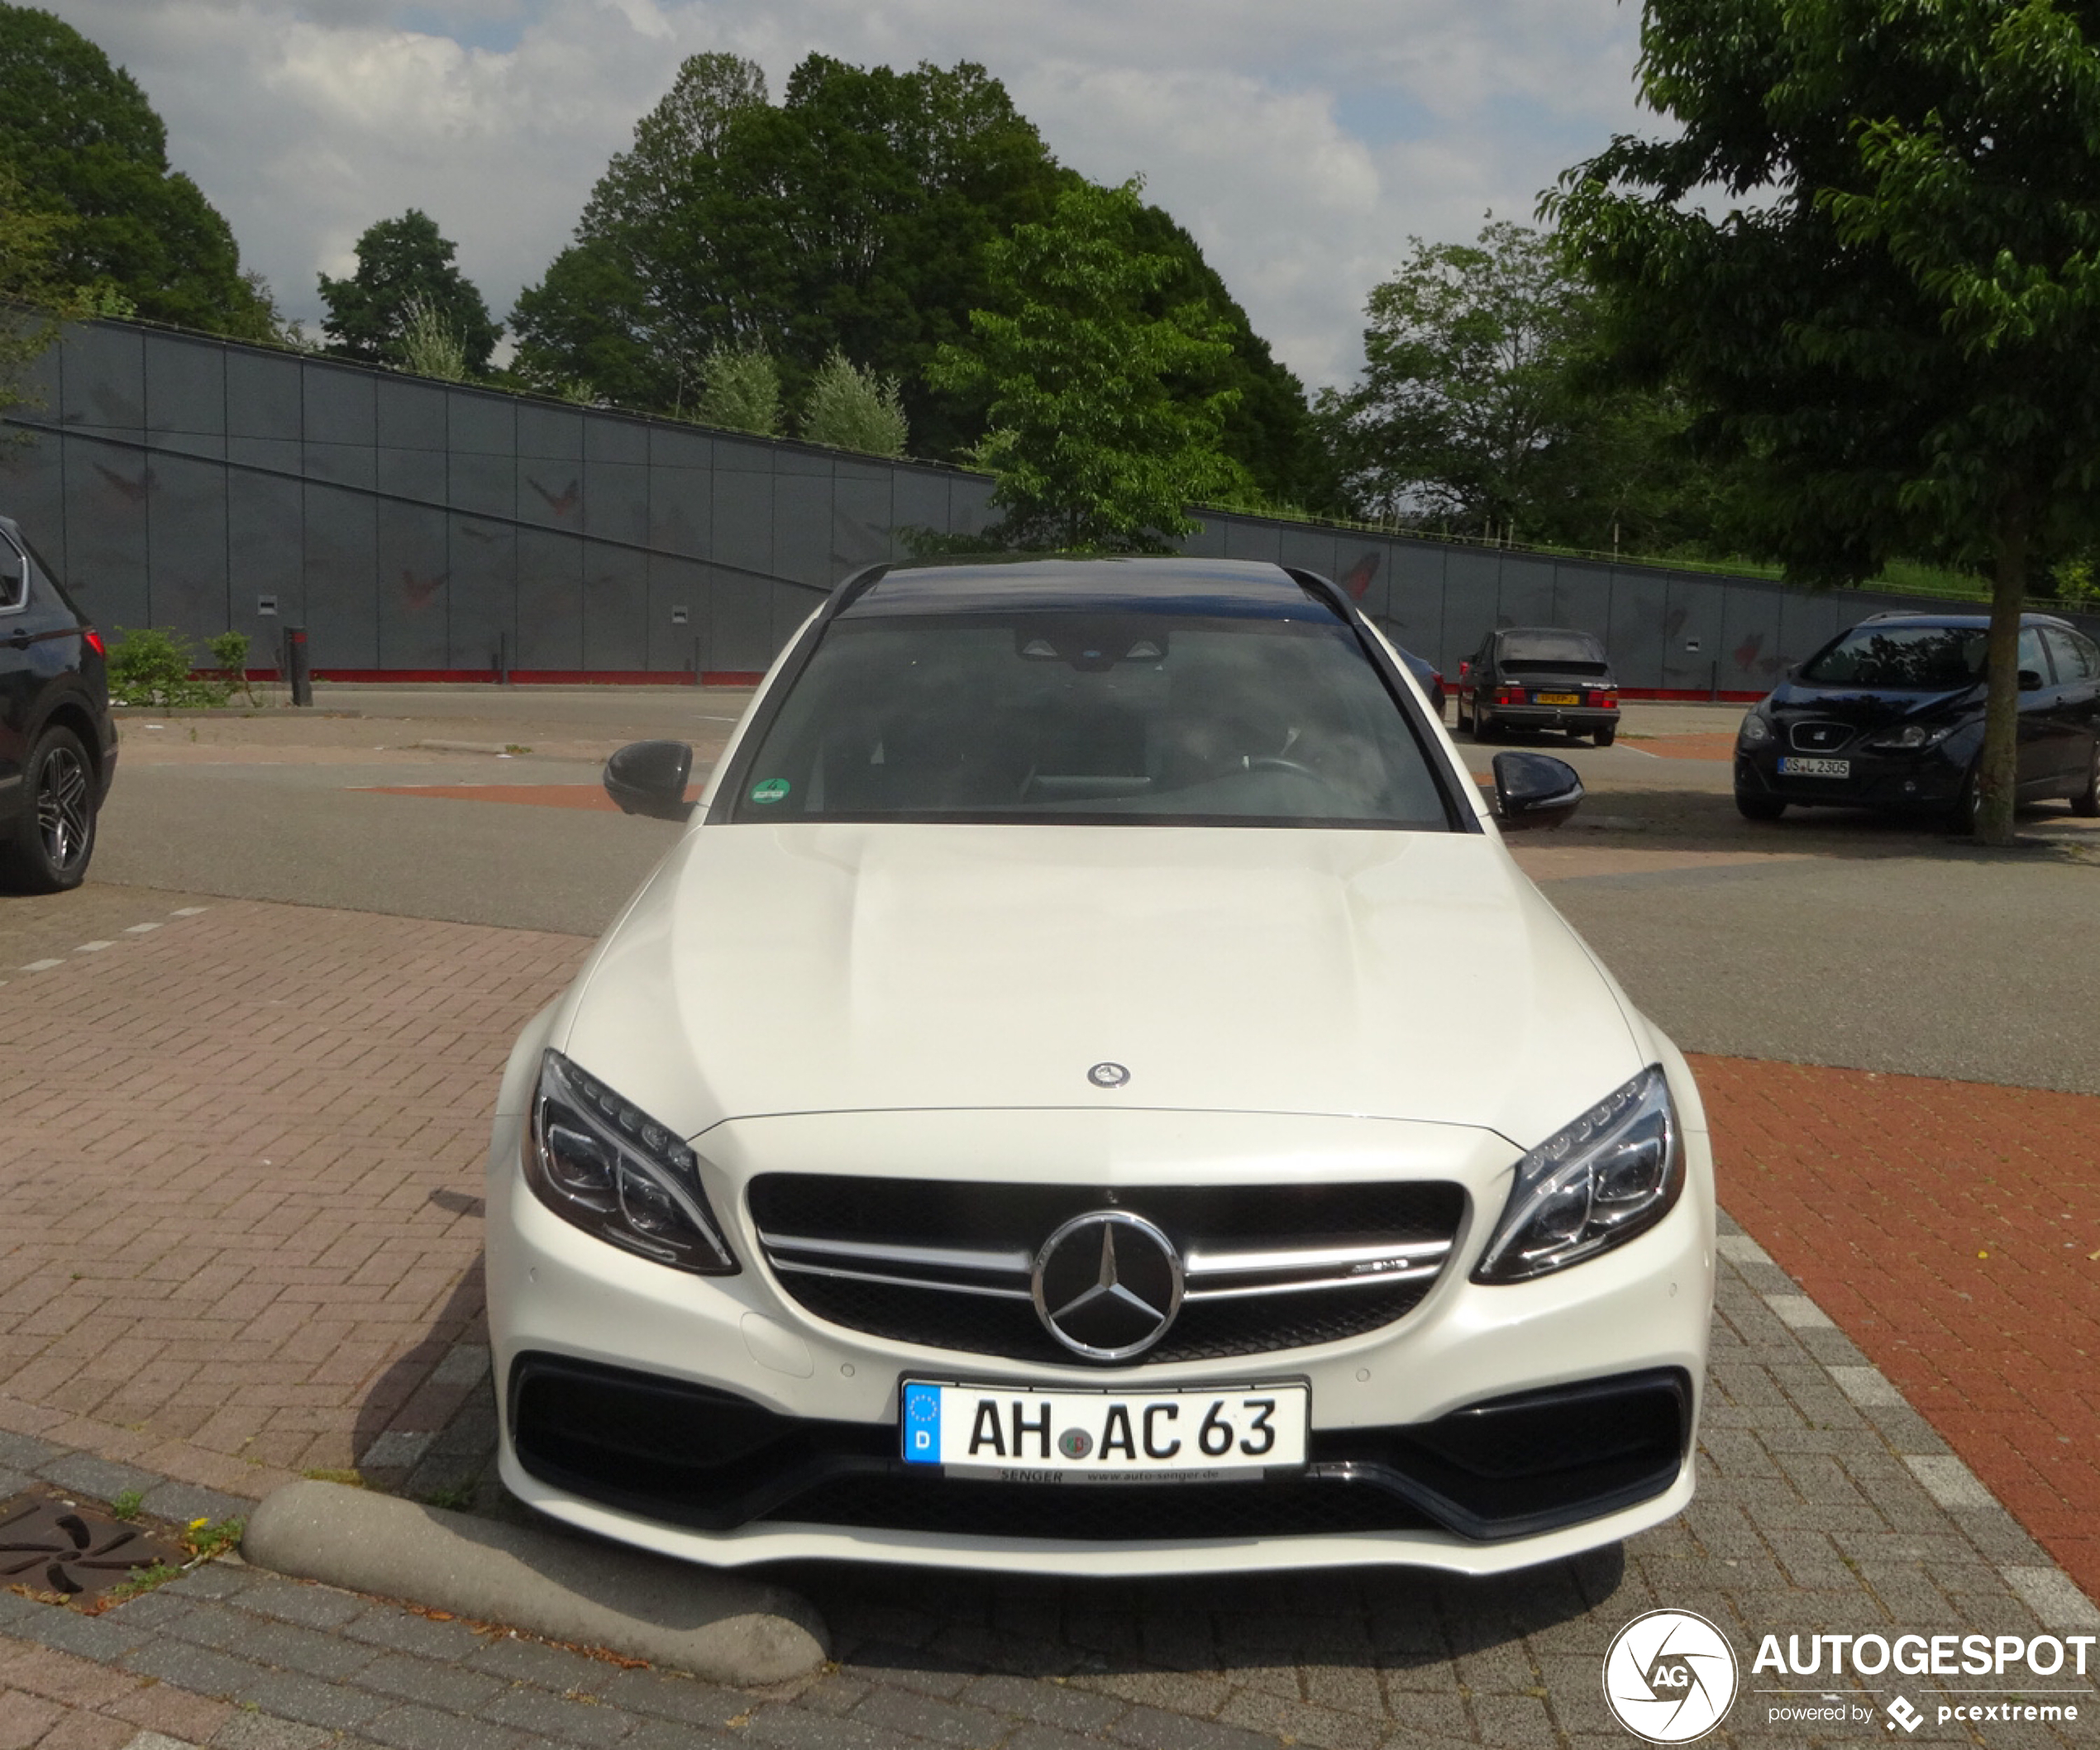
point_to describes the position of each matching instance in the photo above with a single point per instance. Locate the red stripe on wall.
(528, 677)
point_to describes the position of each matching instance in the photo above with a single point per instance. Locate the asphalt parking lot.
(244, 1137)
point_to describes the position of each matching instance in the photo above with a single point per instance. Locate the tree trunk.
(1998, 768)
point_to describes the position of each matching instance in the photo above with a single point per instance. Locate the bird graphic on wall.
(561, 504)
(134, 490)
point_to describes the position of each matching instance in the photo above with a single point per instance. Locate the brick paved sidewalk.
(1953, 1230)
(244, 1153)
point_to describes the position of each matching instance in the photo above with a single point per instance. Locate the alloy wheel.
(64, 820)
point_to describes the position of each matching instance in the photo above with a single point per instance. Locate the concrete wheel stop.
(718, 1626)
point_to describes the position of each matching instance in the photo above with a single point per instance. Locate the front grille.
(1819, 737)
(947, 1264)
(682, 1454)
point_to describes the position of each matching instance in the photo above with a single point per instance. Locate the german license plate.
(1557, 698)
(1210, 1434)
(1793, 765)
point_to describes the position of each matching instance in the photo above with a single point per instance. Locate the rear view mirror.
(649, 778)
(1534, 789)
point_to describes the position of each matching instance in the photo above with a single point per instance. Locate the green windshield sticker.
(769, 790)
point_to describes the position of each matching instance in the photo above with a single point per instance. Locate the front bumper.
(716, 1420)
(1583, 719)
(1927, 782)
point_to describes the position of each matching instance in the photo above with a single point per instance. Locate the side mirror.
(649, 778)
(2029, 681)
(1534, 789)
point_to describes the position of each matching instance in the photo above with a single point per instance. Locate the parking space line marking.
(1949, 1481)
(1866, 1385)
(189, 911)
(1800, 1313)
(93, 947)
(139, 929)
(2053, 1596)
(42, 965)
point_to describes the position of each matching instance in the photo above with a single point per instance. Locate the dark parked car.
(1539, 677)
(1890, 715)
(58, 746)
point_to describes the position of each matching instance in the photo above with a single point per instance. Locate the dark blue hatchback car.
(1890, 715)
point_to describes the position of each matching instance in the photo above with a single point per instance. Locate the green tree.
(81, 142)
(429, 345)
(1482, 407)
(1269, 428)
(740, 391)
(405, 271)
(1090, 447)
(1897, 325)
(32, 298)
(590, 319)
(850, 408)
(854, 216)
(1466, 388)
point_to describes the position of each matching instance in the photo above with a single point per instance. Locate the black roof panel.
(1221, 587)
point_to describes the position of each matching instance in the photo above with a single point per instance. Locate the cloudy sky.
(1301, 143)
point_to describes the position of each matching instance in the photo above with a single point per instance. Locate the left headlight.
(1912, 738)
(1615, 1172)
(607, 1166)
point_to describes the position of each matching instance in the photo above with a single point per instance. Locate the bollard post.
(298, 669)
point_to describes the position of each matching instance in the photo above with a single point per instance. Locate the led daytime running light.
(1614, 1173)
(1912, 738)
(614, 1172)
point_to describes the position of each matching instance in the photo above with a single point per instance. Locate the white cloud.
(1300, 145)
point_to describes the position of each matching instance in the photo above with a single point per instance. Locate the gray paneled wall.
(418, 528)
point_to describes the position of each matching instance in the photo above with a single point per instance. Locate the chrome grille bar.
(1306, 1270)
(932, 1282)
(880, 1252)
(1331, 1260)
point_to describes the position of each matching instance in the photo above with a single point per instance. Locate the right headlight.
(613, 1170)
(1754, 729)
(1615, 1172)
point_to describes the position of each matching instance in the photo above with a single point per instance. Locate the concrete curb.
(716, 1626)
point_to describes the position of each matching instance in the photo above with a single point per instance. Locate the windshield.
(1924, 658)
(1122, 719)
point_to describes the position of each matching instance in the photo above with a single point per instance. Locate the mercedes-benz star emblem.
(1108, 1075)
(1107, 1285)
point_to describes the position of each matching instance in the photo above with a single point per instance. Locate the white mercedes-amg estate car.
(1090, 1093)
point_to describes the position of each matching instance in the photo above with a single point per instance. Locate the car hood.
(1418, 975)
(1864, 707)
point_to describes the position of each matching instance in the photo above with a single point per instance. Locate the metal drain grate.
(52, 1548)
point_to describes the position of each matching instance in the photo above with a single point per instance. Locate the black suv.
(58, 746)
(1537, 677)
(1890, 715)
